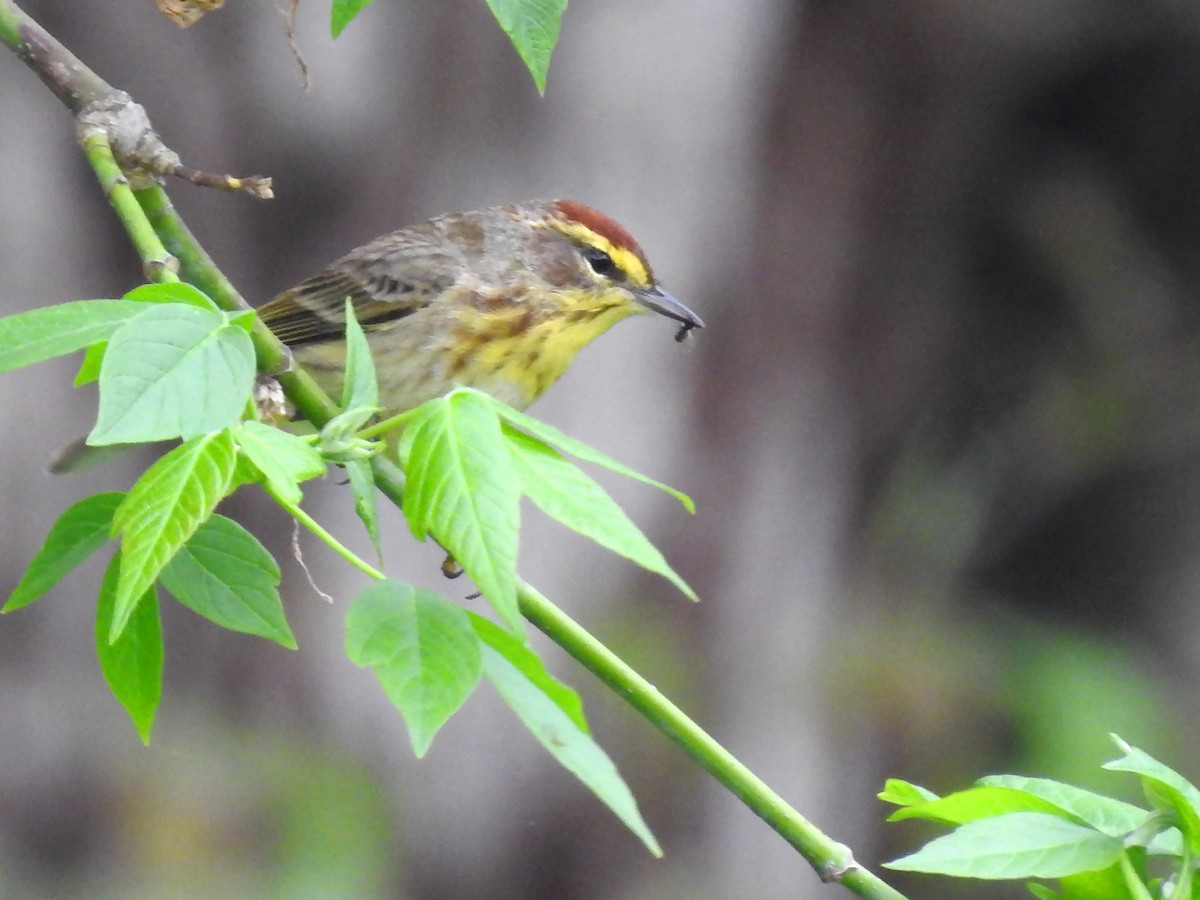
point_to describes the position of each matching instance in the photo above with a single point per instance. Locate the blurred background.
(942, 429)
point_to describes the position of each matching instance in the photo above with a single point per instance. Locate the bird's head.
(597, 269)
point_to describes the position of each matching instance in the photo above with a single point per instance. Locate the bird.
(498, 299)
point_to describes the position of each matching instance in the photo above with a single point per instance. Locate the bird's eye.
(601, 262)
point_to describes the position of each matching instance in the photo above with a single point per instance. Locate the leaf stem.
(1133, 881)
(385, 426)
(833, 861)
(337, 546)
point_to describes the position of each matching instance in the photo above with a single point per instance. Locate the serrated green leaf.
(572, 447)
(40, 334)
(563, 492)
(530, 665)
(422, 649)
(360, 387)
(904, 793)
(1016, 845)
(532, 26)
(977, 803)
(172, 292)
(282, 459)
(175, 370)
(343, 13)
(571, 746)
(1113, 817)
(89, 369)
(133, 664)
(79, 532)
(224, 574)
(1165, 788)
(164, 509)
(366, 499)
(462, 489)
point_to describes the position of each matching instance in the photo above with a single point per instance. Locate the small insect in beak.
(684, 330)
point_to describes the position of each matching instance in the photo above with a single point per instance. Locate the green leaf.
(532, 26)
(422, 649)
(224, 574)
(78, 533)
(89, 369)
(39, 334)
(132, 664)
(567, 742)
(1113, 817)
(283, 459)
(366, 500)
(164, 509)
(360, 387)
(1042, 892)
(172, 292)
(173, 371)
(977, 803)
(579, 449)
(565, 493)
(1016, 845)
(904, 793)
(1106, 884)
(1165, 788)
(244, 320)
(344, 12)
(530, 665)
(463, 490)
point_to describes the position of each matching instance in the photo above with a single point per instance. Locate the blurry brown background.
(943, 431)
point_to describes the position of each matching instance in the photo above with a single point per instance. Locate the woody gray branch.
(99, 108)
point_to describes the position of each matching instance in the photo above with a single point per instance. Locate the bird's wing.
(385, 280)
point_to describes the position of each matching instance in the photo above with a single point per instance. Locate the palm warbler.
(500, 299)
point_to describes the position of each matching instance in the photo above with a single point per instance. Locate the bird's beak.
(659, 301)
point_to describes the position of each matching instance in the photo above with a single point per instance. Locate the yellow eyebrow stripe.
(625, 260)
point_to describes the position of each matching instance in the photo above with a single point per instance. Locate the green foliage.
(1011, 827)
(166, 506)
(224, 574)
(463, 490)
(467, 460)
(531, 25)
(280, 461)
(422, 649)
(557, 731)
(79, 532)
(343, 13)
(41, 334)
(151, 368)
(565, 493)
(133, 663)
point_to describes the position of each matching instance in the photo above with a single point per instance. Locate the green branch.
(72, 82)
(157, 264)
(831, 860)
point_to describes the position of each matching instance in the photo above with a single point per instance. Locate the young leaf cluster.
(171, 366)
(1091, 846)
